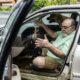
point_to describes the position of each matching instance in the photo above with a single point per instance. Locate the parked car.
(18, 43)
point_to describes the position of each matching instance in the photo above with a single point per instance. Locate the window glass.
(54, 22)
(7, 27)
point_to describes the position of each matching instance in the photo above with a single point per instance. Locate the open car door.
(12, 26)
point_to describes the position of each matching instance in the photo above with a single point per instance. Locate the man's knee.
(39, 62)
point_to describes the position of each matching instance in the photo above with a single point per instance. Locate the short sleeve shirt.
(62, 43)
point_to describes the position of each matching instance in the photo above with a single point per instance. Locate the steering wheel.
(28, 39)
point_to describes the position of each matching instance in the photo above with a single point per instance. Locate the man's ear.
(74, 27)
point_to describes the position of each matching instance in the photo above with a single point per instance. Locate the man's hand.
(42, 43)
(37, 22)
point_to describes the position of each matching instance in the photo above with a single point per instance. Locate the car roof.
(73, 6)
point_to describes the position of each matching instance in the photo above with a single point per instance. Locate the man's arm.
(56, 51)
(48, 30)
(44, 43)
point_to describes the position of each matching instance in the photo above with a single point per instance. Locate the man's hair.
(72, 21)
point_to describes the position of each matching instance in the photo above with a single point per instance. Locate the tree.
(41, 3)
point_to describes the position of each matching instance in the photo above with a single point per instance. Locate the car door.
(75, 71)
(14, 22)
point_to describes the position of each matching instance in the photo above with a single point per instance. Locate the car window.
(7, 26)
(47, 21)
(12, 27)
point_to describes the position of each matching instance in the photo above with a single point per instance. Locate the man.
(57, 49)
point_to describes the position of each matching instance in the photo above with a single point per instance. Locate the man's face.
(66, 26)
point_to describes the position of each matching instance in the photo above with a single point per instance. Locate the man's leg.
(39, 62)
(51, 63)
(45, 62)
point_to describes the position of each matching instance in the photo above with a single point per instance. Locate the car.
(18, 47)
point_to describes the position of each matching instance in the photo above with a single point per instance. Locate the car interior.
(24, 49)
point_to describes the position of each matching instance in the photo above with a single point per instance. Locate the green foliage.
(38, 4)
(41, 3)
(57, 2)
(5, 8)
(61, 2)
(73, 1)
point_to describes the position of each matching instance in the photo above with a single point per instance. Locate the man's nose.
(62, 29)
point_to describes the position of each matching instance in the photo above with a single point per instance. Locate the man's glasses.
(66, 27)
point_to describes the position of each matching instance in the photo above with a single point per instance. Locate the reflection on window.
(8, 26)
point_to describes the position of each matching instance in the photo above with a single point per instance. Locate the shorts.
(51, 63)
